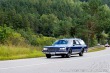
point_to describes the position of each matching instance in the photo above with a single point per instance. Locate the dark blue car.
(65, 48)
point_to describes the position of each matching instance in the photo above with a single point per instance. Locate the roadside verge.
(96, 48)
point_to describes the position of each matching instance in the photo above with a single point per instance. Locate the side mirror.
(73, 44)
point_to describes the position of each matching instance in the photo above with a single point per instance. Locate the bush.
(4, 33)
(45, 41)
(93, 42)
(37, 40)
(10, 37)
(16, 39)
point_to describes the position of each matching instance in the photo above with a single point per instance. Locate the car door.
(76, 48)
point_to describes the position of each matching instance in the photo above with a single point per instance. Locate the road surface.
(96, 62)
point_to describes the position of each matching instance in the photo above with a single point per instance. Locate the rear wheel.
(81, 53)
(48, 55)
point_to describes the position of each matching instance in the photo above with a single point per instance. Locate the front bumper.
(55, 53)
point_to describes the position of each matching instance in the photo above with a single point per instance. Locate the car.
(107, 45)
(66, 48)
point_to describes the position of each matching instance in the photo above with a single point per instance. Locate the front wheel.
(69, 54)
(48, 55)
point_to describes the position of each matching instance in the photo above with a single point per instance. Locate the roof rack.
(72, 38)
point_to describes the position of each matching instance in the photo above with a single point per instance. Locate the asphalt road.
(96, 62)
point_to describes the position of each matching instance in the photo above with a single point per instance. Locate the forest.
(40, 22)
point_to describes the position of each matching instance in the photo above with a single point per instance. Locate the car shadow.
(59, 57)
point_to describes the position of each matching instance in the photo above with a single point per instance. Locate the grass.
(14, 52)
(96, 48)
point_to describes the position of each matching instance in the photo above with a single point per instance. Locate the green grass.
(97, 48)
(14, 52)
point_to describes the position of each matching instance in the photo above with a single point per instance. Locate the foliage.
(10, 37)
(36, 40)
(85, 19)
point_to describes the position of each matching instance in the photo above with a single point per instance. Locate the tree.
(47, 24)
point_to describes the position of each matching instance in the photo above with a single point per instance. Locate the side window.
(77, 42)
(74, 42)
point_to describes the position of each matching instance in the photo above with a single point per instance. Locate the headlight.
(44, 48)
(62, 48)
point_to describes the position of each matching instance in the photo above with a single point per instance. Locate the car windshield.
(61, 42)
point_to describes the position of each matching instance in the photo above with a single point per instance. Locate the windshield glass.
(61, 42)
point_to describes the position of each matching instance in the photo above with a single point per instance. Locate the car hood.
(57, 46)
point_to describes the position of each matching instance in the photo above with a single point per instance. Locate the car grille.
(53, 49)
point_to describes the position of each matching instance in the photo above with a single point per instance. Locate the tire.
(81, 53)
(48, 55)
(69, 54)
